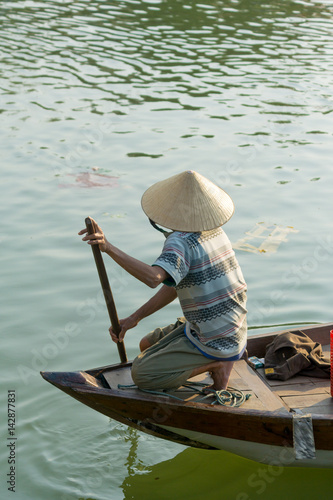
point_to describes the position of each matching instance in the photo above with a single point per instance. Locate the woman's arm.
(150, 275)
(163, 297)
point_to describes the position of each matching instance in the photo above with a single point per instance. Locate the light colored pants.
(169, 362)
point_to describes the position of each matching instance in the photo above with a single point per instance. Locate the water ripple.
(212, 47)
(110, 93)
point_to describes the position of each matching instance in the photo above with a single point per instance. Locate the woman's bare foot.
(220, 372)
(220, 375)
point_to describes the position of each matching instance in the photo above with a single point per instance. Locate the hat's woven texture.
(187, 202)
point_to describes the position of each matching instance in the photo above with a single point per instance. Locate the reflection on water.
(196, 474)
(107, 96)
(91, 180)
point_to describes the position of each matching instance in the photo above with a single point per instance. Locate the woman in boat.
(197, 265)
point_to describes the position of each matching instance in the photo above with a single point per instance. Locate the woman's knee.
(144, 344)
(138, 373)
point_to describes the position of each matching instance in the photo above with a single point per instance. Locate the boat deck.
(308, 394)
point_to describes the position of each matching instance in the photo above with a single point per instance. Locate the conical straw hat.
(187, 202)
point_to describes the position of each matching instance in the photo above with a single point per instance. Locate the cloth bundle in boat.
(290, 354)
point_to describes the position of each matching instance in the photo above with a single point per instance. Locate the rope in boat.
(225, 397)
(228, 397)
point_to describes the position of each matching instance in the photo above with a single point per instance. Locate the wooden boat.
(277, 425)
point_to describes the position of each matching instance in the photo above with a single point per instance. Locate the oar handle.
(90, 225)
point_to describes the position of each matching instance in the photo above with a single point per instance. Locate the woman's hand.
(125, 324)
(97, 238)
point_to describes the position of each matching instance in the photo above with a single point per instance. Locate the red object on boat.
(331, 338)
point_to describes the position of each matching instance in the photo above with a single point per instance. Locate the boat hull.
(276, 456)
(262, 435)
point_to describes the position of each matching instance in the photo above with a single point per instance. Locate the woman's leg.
(157, 334)
(220, 373)
(171, 361)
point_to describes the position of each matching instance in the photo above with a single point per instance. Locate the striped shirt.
(211, 290)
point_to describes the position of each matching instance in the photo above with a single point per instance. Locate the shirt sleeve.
(174, 259)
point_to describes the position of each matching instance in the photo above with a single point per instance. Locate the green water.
(100, 99)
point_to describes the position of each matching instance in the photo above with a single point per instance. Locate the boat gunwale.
(119, 394)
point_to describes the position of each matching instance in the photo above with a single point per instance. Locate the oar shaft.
(111, 307)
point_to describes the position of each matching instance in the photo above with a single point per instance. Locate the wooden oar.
(90, 225)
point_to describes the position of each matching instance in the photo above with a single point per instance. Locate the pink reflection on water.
(91, 180)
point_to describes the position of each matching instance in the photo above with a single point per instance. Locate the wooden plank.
(239, 383)
(252, 403)
(261, 397)
(297, 379)
(120, 376)
(312, 402)
(269, 400)
(324, 385)
(320, 410)
(300, 390)
(318, 380)
(235, 381)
